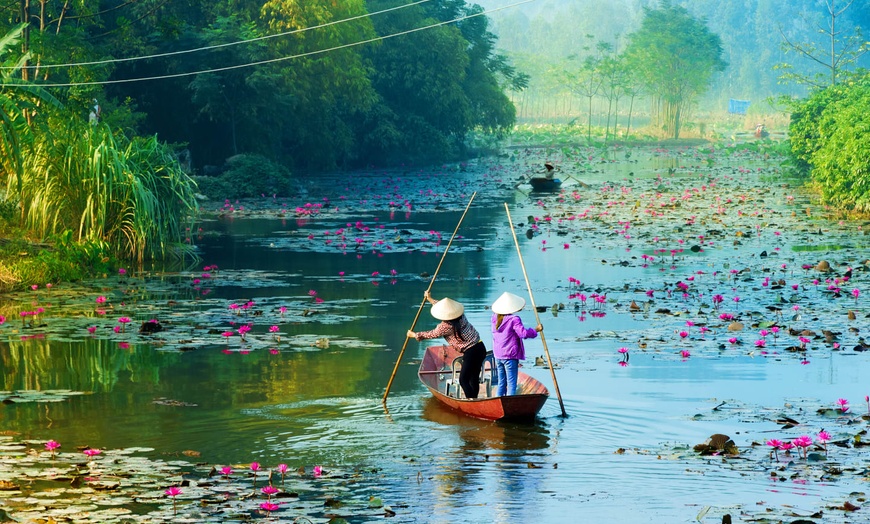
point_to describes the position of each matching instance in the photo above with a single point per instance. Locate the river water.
(311, 394)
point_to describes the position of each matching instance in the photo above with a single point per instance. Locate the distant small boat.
(544, 184)
(439, 371)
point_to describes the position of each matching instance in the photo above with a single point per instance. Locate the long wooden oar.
(537, 317)
(420, 310)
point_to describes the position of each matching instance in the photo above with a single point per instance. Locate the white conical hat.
(508, 303)
(447, 309)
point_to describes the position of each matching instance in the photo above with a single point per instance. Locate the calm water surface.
(615, 458)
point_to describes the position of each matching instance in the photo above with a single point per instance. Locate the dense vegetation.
(101, 99)
(312, 85)
(830, 140)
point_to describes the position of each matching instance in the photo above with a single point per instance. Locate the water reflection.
(484, 436)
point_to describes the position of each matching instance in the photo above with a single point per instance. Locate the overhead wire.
(216, 46)
(279, 59)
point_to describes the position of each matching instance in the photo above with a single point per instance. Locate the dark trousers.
(469, 374)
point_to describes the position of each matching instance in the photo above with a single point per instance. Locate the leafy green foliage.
(247, 176)
(829, 138)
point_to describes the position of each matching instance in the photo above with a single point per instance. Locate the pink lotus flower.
(318, 470)
(92, 329)
(91, 453)
(824, 437)
(173, 492)
(844, 404)
(786, 446)
(101, 300)
(274, 329)
(226, 471)
(803, 442)
(685, 353)
(51, 446)
(732, 340)
(269, 507)
(312, 293)
(282, 469)
(684, 334)
(122, 271)
(775, 444)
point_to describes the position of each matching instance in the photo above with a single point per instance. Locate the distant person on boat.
(508, 333)
(551, 170)
(461, 336)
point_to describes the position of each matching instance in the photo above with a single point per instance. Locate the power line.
(217, 46)
(280, 59)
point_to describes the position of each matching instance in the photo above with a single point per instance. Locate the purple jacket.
(507, 339)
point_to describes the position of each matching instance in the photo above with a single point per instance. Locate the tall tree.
(585, 79)
(676, 55)
(840, 49)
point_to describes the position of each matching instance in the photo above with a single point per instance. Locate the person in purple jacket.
(508, 333)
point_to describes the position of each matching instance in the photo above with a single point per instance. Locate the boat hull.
(543, 184)
(437, 374)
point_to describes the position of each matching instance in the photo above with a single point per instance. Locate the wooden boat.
(439, 371)
(543, 184)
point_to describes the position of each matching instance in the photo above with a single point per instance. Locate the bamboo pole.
(423, 303)
(535, 309)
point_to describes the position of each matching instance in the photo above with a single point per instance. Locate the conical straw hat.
(447, 309)
(508, 303)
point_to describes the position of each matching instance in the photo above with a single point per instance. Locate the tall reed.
(128, 193)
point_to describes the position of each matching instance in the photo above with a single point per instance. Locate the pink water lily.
(226, 471)
(824, 437)
(51, 446)
(775, 444)
(803, 442)
(173, 492)
(786, 446)
(844, 404)
(255, 467)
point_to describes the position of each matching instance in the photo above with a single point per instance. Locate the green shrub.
(247, 176)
